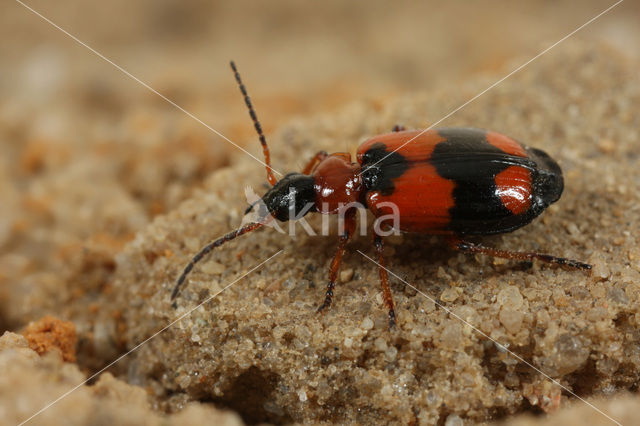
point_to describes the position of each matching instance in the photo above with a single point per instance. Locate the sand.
(259, 348)
(30, 381)
(108, 191)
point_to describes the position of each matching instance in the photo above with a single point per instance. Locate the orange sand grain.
(50, 333)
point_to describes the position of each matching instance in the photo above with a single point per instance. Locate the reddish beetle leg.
(468, 247)
(384, 279)
(321, 155)
(349, 228)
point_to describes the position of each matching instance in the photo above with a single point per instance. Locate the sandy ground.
(259, 348)
(108, 191)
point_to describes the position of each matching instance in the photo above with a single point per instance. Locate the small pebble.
(380, 344)
(511, 320)
(346, 275)
(391, 353)
(449, 295)
(367, 324)
(451, 336)
(600, 268)
(607, 146)
(386, 390)
(453, 420)
(510, 298)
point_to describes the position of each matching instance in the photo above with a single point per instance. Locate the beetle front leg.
(321, 155)
(468, 247)
(384, 280)
(349, 228)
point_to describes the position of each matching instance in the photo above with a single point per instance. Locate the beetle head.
(289, 198)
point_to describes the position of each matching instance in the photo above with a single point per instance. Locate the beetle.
(454, 182)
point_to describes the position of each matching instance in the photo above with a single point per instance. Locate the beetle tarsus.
(327, 299)
(392, 319)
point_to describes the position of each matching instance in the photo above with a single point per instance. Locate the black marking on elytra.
(380, 167)
(548, 182)
(468, 159)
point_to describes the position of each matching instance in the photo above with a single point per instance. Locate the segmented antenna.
(265, 149)
(207, 249)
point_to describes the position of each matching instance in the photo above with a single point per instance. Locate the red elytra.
(453, 182)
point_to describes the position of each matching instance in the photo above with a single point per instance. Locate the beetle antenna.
(207, 249)
(265, 149)
(251, 206)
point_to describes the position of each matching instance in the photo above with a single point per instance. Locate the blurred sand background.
(90, 157)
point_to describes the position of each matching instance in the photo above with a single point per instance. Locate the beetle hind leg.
(468, 247)
(384, 280)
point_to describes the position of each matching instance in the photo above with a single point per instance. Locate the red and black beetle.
(453, 182)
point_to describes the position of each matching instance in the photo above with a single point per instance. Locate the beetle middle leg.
(468, 247)
(349, 229)
(384, 280)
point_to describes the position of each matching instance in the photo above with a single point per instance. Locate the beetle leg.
(398, 128)
(384, 280)
(349, 228)
(321, 155)
(468, 247)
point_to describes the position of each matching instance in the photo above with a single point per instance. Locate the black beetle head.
(291, 197)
